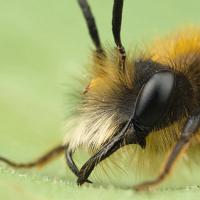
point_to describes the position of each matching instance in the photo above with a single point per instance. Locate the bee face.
(151, 100)
(146, 93)
(129, 99)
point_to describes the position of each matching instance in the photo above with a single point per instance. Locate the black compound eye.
(154, 98)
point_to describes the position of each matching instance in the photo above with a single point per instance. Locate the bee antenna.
(92, 28)
(116, 28)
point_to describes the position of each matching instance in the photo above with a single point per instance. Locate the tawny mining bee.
(149, 101)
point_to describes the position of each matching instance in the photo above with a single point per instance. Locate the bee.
(149, 102)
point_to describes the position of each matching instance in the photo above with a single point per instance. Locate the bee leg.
(191, 127)
(71, 164)
(40, 162)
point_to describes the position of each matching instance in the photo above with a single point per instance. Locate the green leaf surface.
(43, 46)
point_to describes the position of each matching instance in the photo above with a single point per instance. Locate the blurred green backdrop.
(43, 44)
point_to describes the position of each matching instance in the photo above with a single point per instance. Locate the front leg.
(71, 164)
(189, 130)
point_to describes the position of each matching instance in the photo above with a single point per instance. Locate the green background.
(43, 45)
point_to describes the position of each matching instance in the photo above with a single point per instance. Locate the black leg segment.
(71, 164)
